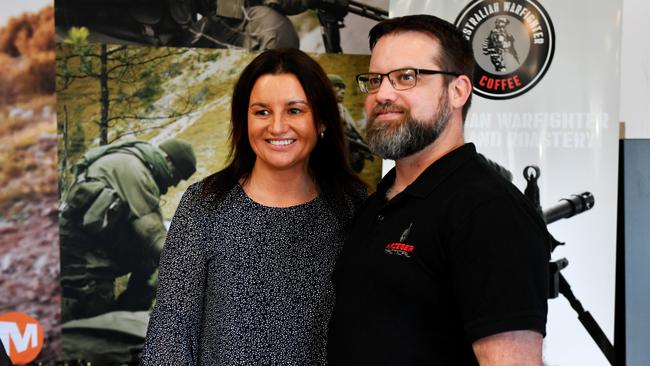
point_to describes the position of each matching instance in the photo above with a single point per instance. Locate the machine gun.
(331, 14)
(566, 208)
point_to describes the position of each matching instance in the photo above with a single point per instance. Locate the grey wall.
(637, 250)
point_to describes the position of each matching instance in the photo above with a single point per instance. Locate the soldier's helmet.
(182, 156)
(501, 21)
(336, 80)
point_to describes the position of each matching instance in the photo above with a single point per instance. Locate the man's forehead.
(405, 49)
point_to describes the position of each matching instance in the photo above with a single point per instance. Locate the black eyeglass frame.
(387, 75)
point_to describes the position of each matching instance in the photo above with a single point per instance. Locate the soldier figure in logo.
(358, 150)
(111, 224)
(498, 42)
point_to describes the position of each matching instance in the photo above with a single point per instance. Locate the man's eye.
(374, 81)
(405, 76)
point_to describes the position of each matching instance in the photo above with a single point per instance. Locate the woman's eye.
(261, 112)
(294, 111)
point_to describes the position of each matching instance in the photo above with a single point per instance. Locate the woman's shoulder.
(193, 192)
(196, 196)
(358, 194)
(201, 194)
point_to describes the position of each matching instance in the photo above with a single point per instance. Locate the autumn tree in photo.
(28, 175)
(27, 58)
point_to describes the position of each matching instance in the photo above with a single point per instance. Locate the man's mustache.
(386, 108)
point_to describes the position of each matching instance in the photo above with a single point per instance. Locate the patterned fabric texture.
(244, 284)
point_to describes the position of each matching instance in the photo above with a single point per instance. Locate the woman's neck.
(280, 188)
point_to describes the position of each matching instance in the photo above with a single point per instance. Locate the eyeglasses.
(400, 79)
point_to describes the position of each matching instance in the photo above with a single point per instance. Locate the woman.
(245, 272)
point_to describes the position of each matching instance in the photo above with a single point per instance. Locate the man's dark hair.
(456, 53)
(327, 162)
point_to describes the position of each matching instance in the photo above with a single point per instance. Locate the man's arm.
(516, 348)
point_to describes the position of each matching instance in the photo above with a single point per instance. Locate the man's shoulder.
(475, 184)
(478, 178)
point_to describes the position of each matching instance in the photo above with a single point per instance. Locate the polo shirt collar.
(433, 175)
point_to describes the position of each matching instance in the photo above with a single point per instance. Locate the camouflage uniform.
(132, 235)
(497, 43)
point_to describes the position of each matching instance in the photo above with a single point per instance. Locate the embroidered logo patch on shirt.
(402, 249)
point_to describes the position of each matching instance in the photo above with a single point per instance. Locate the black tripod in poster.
(567, 207)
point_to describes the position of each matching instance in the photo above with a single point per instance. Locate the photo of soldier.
(111, 224)
(358, 150)
(238, 24)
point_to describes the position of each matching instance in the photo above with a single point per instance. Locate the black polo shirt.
(459, 255)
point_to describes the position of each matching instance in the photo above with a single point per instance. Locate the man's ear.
(460, 90)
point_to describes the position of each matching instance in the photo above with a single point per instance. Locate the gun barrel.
(367, 11)
(567, 207)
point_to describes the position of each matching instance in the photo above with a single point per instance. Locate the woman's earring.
(322, 135)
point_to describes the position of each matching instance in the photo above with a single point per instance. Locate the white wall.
(635, 69)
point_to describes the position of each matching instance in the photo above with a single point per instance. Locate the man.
(447, 263)
(111, 224)
(358, 150)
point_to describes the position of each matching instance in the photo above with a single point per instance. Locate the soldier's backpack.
(93, 205)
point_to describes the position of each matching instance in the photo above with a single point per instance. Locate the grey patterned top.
(244, 284)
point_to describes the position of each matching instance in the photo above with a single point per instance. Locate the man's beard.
(398, 139)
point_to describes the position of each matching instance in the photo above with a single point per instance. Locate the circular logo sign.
(21, 336)
(513, 43)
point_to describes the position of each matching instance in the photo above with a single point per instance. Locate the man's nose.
(386, 92)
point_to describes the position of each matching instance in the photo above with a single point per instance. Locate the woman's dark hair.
(327, 162)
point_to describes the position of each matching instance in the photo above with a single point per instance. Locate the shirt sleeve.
(499, 259)
(175, 325)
